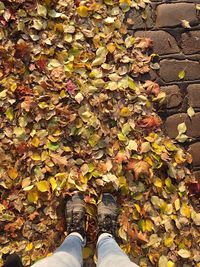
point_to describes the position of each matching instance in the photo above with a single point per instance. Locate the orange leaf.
(139, 168)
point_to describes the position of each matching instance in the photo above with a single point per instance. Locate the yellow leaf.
(158, 182)
(35, 156)
(127, 2)
(53, 183)
(170, 264)
(168, 242)
(181, 75)
(35, 141)
(185, 210)
(44, 155)
(83, 11)
(180, 156)
(13, 173)
(177, 204)
(29, 247)
(137, 208)
(87, 252)
(33, 196)
(190, 112)
(10, 114)
(111, 47)
(43, 186)
(149, 225)
(125, 112)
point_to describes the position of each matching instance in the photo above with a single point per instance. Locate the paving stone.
(191, 42)
(197, 175)
(194, 95)
(173, 96)
(135, 21)
(170, 68)
(194, 150)
(172, 122)
(163, 42)
(170, 15)
(193, 125)
(171, 1)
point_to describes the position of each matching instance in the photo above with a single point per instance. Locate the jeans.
(69, 254)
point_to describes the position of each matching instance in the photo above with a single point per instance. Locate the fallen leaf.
(181, 74)
(42, 186)
(13, 173)
(190, 112)
(139, 168)
(184, 253)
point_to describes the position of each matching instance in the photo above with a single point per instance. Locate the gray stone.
(193, 125)
(173, 96)
(135, 21)
(194, 95)
(170, 68)
(171, 1)
(170, 15)
(195, 150)
(197, 175)
(172, 123)
(163, 42)
(191, 42)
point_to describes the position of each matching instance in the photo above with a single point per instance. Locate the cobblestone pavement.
(174, 27)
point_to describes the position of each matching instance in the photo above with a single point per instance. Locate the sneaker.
(75, 214)
(107, 215)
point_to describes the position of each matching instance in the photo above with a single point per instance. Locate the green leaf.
(52, 146)
(10, 114)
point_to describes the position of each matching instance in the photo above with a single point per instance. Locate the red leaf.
(152, 88)
(22, 148)
(41, 64)
(23, 90)
(22, 51)
(150, 122)
(16, 225)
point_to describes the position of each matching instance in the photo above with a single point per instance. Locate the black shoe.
(13, 260)
(107, 215)
(75, 214)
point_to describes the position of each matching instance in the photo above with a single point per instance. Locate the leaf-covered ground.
(73, 116)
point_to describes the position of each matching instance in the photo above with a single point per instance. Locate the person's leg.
(110, 254)
(69, 254)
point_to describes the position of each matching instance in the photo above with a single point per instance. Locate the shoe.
(107, 215)
(13, 260)
(75, 214)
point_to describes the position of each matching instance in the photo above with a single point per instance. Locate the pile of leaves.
(73, 117)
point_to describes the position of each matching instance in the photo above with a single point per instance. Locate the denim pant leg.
(110, 254)
(69, 254)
